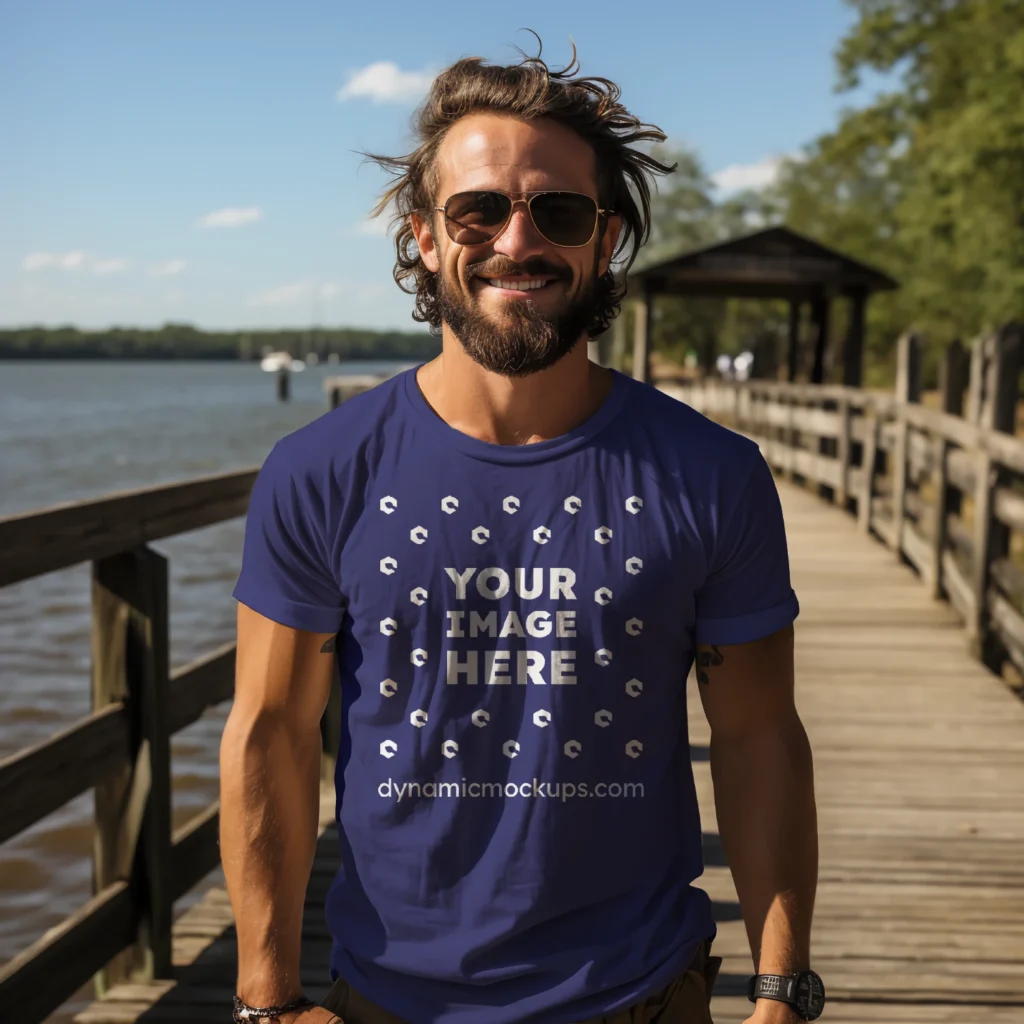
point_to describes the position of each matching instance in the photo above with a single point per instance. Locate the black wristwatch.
(803, 991)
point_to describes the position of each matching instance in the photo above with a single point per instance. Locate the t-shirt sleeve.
(747, 594)
(286, 574)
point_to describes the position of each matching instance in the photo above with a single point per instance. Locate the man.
(519, 555)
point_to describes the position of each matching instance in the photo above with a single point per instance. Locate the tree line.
(183, 341)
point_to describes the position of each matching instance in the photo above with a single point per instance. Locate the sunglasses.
(566, 219)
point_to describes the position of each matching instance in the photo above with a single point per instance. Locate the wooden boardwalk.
(919, 761)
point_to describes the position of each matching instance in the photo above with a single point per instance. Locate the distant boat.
(274, 361)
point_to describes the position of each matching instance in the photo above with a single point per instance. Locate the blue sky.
(197, 161)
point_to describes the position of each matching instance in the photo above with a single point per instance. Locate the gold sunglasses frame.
(525, 199)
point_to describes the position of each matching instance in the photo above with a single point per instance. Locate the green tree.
(928, 180)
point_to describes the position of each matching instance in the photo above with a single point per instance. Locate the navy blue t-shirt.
(515, 802)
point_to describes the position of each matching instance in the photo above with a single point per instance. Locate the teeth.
(519, 286)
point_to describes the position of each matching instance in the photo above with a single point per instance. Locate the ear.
(607, 242)
(424, 232)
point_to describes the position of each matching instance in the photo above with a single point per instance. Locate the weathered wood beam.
(33, 543)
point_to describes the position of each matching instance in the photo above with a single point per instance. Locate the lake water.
(70, 431)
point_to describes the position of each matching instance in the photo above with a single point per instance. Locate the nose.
(520, 240)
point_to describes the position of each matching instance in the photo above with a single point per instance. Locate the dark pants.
(685, 1000)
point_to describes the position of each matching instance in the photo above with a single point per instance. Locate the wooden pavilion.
(776, 263)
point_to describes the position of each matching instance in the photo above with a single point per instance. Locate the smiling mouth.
(519, 284)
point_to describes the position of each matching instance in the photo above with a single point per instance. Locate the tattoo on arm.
(329, 646)
(705, 660)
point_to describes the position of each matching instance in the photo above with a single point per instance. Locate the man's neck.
(513, 410)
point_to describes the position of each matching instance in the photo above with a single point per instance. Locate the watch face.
(810, 995)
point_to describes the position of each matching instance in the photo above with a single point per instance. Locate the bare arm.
(763, 777)
(269, 803)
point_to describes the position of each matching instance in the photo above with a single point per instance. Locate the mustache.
(498, 266)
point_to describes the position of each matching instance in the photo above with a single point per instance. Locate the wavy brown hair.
(530, 89)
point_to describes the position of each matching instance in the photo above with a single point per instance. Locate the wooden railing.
(943, 488)
(939, 487)
(122, 750)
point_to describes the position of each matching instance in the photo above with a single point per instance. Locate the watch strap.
(773, 986)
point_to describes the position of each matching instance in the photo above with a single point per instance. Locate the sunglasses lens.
(565, 218)
(476, 217)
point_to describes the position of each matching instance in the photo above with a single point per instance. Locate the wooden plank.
(52, 969)
(920, 508)
(952, 428)
(959, 590)
(909, 365)
(899, 486)
(113, 849)
(887, 435)
(33, 543)
(820, 422)
(195, 850)
(133, 809)
(1008, 624)
(920, 453)
(40, 779)
(865, 496)
(1008, 507)
(843, 449)
(918, 551)
(902, 812)
(201, 684)
(820, 468)
(643, 325)
(1009, 578)
(1007, 451)
(882, 520)
(939, 514)
(960, 536)
(981, 543)
(961, 467)
(152, 695)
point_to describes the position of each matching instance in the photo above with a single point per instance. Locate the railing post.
(130, 643)
(842, 493)
(869, 456)
(953, 379)
(789, 432)
(908, 390)
(643, 325)
(999, 357)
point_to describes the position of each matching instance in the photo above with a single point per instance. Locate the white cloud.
(114, 266)
(66, 261)
(37, 260)
(167, 269)
(385, 82)
(232, 217)
(328, 291)
(737, 177)
(374, 227)
(283, 295)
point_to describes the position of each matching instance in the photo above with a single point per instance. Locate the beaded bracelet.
(243, 1012)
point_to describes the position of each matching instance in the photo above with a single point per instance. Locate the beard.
(520, 340)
